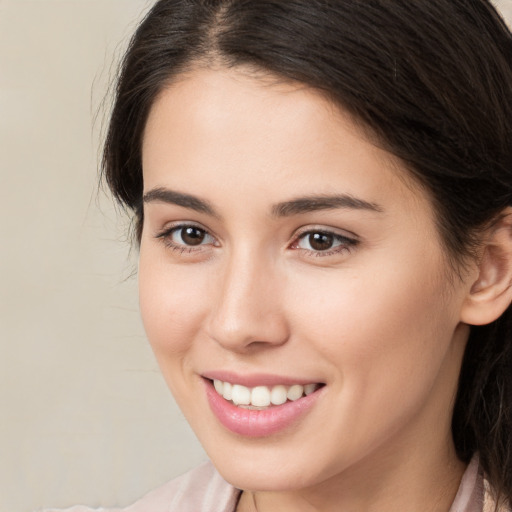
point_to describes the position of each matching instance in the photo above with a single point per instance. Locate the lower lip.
(258, 423)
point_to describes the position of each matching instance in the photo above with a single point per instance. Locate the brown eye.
(187, 238)
(320, 241)
(191, 235)
(324, 242)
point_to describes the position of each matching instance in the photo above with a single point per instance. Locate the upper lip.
(256, 379)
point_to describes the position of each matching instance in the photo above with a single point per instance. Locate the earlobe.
(491, 293)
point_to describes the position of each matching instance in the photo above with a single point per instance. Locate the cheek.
(387, 344)
(172, 303)
(379, 330)
(378, 309)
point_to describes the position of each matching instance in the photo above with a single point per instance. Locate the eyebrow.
(323, 202)
(296, 206)
(164, 195)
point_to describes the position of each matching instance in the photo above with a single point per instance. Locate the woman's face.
(281, 249)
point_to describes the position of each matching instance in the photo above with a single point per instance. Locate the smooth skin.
(354, 291)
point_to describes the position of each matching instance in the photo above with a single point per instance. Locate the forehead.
(263, 134)
(237, 103)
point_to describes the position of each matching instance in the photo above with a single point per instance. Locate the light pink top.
(204, 490)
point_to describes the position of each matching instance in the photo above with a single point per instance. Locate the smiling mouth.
(262, 397)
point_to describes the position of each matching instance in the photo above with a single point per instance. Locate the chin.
(256, 476)
(267, 465)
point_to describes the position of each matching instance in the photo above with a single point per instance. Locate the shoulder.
(196, 491)
(475, 493)
(490, 504)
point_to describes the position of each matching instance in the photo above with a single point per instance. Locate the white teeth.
(261, 397)
(227, 389)
(278, 395)
(310, 388)
(241, 395)
(219, 386)
(295, 392)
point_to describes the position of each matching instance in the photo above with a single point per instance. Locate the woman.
(321, 192)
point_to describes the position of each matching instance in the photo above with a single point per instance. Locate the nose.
(248, 311)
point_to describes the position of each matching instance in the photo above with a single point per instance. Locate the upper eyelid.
(168, 227)
(303, 230)
(324, 229)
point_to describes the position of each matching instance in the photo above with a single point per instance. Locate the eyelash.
(345, 244)
(166, 237)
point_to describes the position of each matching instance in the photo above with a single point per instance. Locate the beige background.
(86, 417)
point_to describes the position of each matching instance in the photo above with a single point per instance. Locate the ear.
(491, 294)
